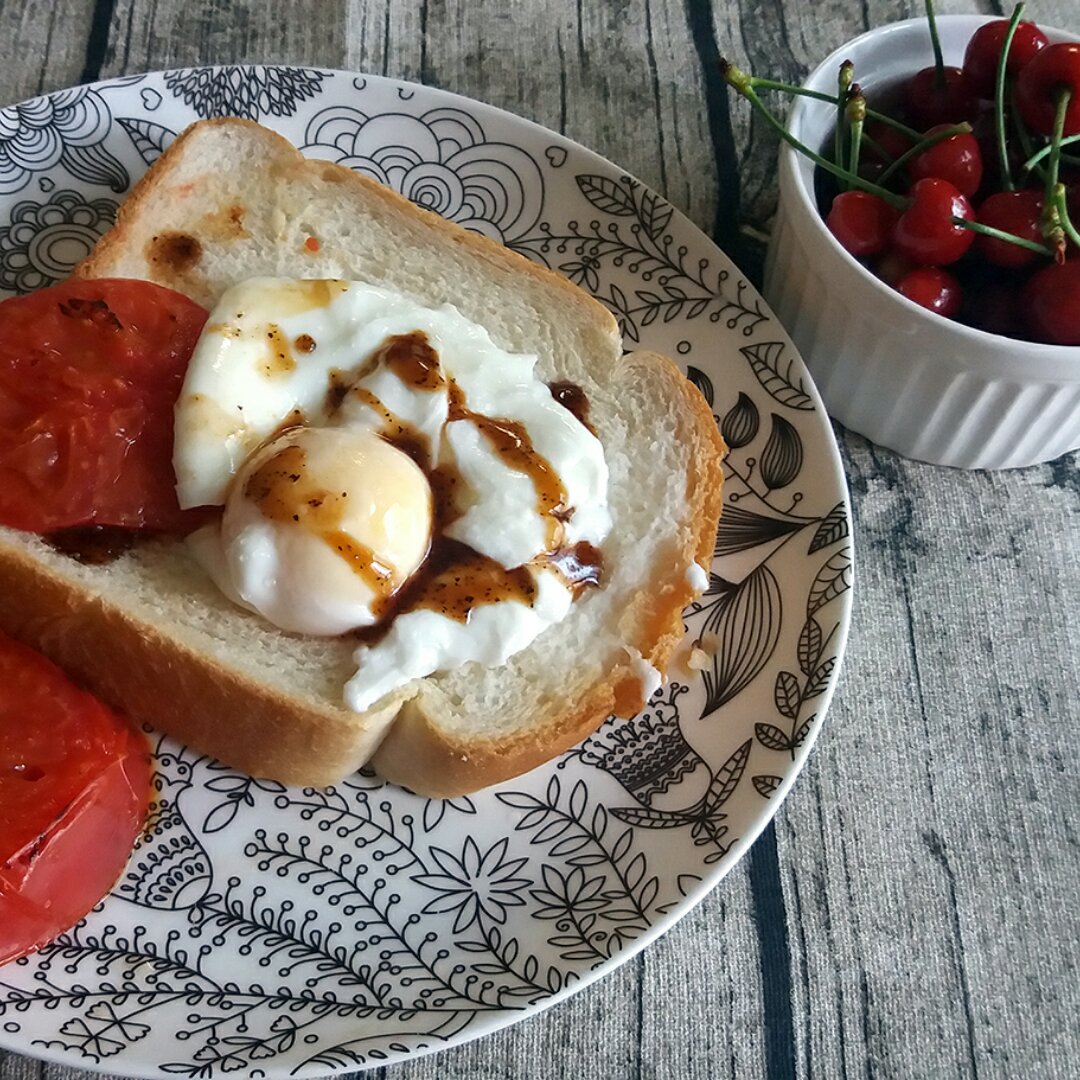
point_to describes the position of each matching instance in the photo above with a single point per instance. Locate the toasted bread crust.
(154, 678)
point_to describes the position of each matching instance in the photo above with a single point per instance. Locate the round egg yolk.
(323, 525)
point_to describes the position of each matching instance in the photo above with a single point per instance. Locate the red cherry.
(1016, 212)
(862, 222)
(984, 51)
(1041, 81)
(925, 232)
(957, 159)
(948, 103)
(1052, 301)
(932, 288)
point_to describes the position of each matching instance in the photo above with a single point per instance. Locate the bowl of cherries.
(926, 251)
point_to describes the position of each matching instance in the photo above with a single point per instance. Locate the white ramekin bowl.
(924, 386)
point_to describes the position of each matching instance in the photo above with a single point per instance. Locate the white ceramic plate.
(265, 931)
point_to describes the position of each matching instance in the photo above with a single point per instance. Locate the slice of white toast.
(232, 200)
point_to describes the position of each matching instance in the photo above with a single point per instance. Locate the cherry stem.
(888, 121)
(1053, 224)
(1022, 136)
(855, 110)
(760, 83)
(1064, 97)
(742, 84)
(843, 84)
(1001, 234)
(878, 149)
(999, 100)
(924, 144)
(1036, 158)
(1061, 203)
(939, 60)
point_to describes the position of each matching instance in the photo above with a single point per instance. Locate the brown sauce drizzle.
(453, 581)
(340, 381)
(580, 566)
(305, 343)
(400, 433)
(444, 482)
(511, 442)
(458, 579)
(361, 558)
(282, 361)
(412, 359)
(454, 578)
(283, 492)
(570, 396)
(94, 545)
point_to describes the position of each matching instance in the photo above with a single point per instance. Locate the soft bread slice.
(151, 634)
(231, 200)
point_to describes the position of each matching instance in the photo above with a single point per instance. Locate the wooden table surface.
(913, 910)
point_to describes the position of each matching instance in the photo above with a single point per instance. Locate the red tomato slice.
(74, 790)
(89, 374)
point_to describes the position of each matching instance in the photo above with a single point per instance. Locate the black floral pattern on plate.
(634, 237)
(68, 129)
(42, 242)
(149, 139)
(245, 90)
(442, 160)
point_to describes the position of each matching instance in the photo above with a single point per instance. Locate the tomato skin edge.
(50, 884)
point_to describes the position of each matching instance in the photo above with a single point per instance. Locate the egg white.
(243, 384)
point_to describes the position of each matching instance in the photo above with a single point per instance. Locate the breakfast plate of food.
(341, 449)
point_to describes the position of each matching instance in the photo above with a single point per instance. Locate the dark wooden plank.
(163, 34)
(44, 46)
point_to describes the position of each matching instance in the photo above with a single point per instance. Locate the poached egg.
(371, 454)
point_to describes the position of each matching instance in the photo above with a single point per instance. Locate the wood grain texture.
(913, 911)
(942, 894)
(44, 45)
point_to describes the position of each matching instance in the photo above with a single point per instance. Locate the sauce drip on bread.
(572, 397)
